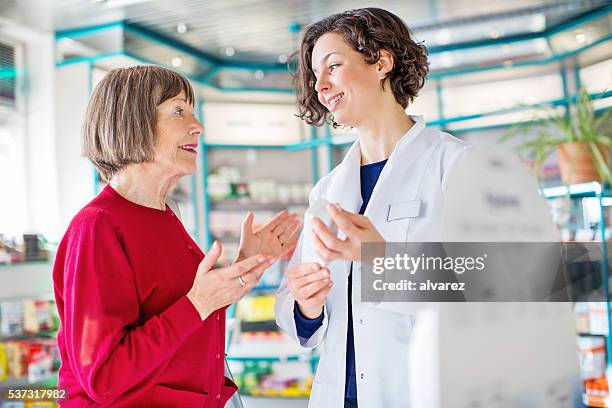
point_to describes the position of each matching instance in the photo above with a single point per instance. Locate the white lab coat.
(405, 206)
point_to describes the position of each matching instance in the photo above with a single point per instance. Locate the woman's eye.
(179, 111)
(333, 66)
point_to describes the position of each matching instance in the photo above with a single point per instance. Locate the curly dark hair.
(366, 30)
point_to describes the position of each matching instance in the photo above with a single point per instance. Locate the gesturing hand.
(215, 288)
(276, 237)
(358, 229)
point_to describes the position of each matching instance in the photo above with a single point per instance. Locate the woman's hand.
(276, 237)
(358, 229)
(215, 288)
(309, 284)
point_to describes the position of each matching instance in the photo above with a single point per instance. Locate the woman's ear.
(385, 62)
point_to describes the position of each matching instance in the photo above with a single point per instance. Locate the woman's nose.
(322, 84)
(197, 127)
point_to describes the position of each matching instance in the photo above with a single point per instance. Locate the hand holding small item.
(309, 284)
(358, 229)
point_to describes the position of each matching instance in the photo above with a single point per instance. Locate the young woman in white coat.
(361, 69)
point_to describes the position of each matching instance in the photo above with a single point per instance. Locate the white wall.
(57, 180)
(75, 174)
(37, 86)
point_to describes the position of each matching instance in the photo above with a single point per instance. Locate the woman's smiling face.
(177, 136)
(346, 85)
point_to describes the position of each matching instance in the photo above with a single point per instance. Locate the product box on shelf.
(29, 247)
(596, 393)
(3, 363)
(34, 360)
(256, 308)
(598, 323)
(581, 316)
(11, 318)
(37, 315)
(592, 353)
(28, 316)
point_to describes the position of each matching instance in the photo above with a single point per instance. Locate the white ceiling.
(260, 30)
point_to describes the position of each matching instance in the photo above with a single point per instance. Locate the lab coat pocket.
(398, 217)
(404, 209)
(164, 396)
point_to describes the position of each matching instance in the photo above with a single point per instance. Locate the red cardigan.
(128, 335)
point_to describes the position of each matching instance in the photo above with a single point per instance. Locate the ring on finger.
(242, 281)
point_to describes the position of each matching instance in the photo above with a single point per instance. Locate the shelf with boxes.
(582, 212)
(265, 178)
(28, 351)
(241, 180)
(28, 316)
(264, 360)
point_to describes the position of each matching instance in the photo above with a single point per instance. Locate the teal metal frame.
(218, 64)
(204, 162)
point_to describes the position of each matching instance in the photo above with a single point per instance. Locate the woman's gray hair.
(120, 123)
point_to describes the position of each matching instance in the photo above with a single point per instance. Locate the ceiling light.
(508, 63)
(283, 58)
(176, 62)
(182, 28)
(259, 74)
(230, 51)
(507, 48)
(443, 36)
(537, 23)
(494, 33)
(581, 37)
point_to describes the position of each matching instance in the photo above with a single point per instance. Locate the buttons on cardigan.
(218, 396)
(218, 316)
(361, 376)
(217, 356)
(360, 321)
(189, 247)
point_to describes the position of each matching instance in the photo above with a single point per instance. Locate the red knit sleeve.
(107, 349)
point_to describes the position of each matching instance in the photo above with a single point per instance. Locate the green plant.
(543, 135)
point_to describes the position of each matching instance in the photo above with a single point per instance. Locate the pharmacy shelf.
(307, 357)
(48, 381)
(582, 334)
(581, 190)
(308, 144)
(30, 336)
(262, 289)
(249, 205)
(601, 192)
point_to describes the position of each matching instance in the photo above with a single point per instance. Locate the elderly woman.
(141, 307)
